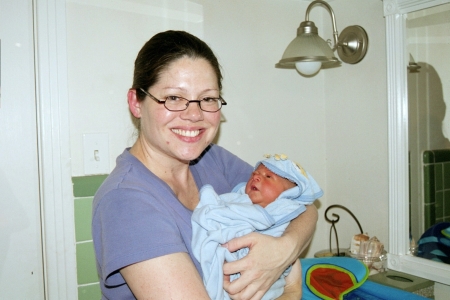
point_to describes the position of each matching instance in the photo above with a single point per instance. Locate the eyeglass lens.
(178, 103)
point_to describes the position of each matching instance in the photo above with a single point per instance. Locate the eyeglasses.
(175, 103)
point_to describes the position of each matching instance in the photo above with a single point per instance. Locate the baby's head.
(278, 176)
(264, 186)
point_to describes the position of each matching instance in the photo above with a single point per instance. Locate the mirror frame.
(399, 259)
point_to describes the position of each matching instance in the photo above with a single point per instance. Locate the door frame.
(57, 205)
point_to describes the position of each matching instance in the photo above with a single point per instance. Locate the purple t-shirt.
(136, 216)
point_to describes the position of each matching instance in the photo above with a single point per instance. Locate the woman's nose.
(192, 112)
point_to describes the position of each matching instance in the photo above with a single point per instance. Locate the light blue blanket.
(218, 219)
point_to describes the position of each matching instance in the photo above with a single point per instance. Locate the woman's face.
(182, 135)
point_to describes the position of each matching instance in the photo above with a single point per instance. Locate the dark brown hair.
(163, 49)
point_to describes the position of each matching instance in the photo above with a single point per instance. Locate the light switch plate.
(96, 153)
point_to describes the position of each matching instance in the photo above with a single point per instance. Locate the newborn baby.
(276, 193)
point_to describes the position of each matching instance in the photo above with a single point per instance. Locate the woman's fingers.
(258, 270)
(240, 242)
(248, 292)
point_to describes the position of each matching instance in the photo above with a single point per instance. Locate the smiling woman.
(142, 212)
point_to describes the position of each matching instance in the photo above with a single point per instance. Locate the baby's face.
(264, 186)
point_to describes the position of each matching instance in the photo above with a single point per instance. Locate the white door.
(21, 257)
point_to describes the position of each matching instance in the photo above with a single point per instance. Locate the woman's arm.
(172, 276)
(293, 287)
(268, 256)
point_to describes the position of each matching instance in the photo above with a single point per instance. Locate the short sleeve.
(133, 227)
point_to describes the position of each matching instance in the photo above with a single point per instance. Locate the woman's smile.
(187, 133)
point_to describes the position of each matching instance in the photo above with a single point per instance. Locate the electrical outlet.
(96, 153)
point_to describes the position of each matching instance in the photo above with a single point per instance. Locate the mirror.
(428, 80)
(396, 14)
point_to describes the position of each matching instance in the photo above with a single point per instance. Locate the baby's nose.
(256, 176)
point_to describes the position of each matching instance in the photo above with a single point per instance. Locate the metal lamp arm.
(333, 19)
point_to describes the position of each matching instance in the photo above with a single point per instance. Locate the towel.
(344, 278)
(218, 219)
(434, 243)
(331, 277)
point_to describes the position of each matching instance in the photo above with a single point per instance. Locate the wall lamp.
(308, 52)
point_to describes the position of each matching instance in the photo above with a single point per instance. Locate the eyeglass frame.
(222, 102)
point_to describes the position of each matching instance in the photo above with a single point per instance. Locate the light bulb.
(308, 67)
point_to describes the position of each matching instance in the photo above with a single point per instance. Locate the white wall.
(334, 124)
(103, 39)
(356, 126)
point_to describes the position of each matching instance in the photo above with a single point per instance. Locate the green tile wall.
(86, 186)
(83, 213)
(84, 189)
(89, 292)
(86, 269)
(436, 172)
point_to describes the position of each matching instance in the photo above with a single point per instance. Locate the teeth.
(188, 133)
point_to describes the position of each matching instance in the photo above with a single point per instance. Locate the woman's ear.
(133, 103)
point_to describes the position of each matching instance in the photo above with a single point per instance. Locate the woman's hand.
(263, 265)
(268, 257)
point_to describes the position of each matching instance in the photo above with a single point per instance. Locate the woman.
(141, 220)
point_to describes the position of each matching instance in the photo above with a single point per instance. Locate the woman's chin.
(189, 155)
(193, 150)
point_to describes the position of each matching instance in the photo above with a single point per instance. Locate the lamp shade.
(308, 46)
(308, 52)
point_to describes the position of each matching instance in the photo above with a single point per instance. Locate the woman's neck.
(175, 173)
